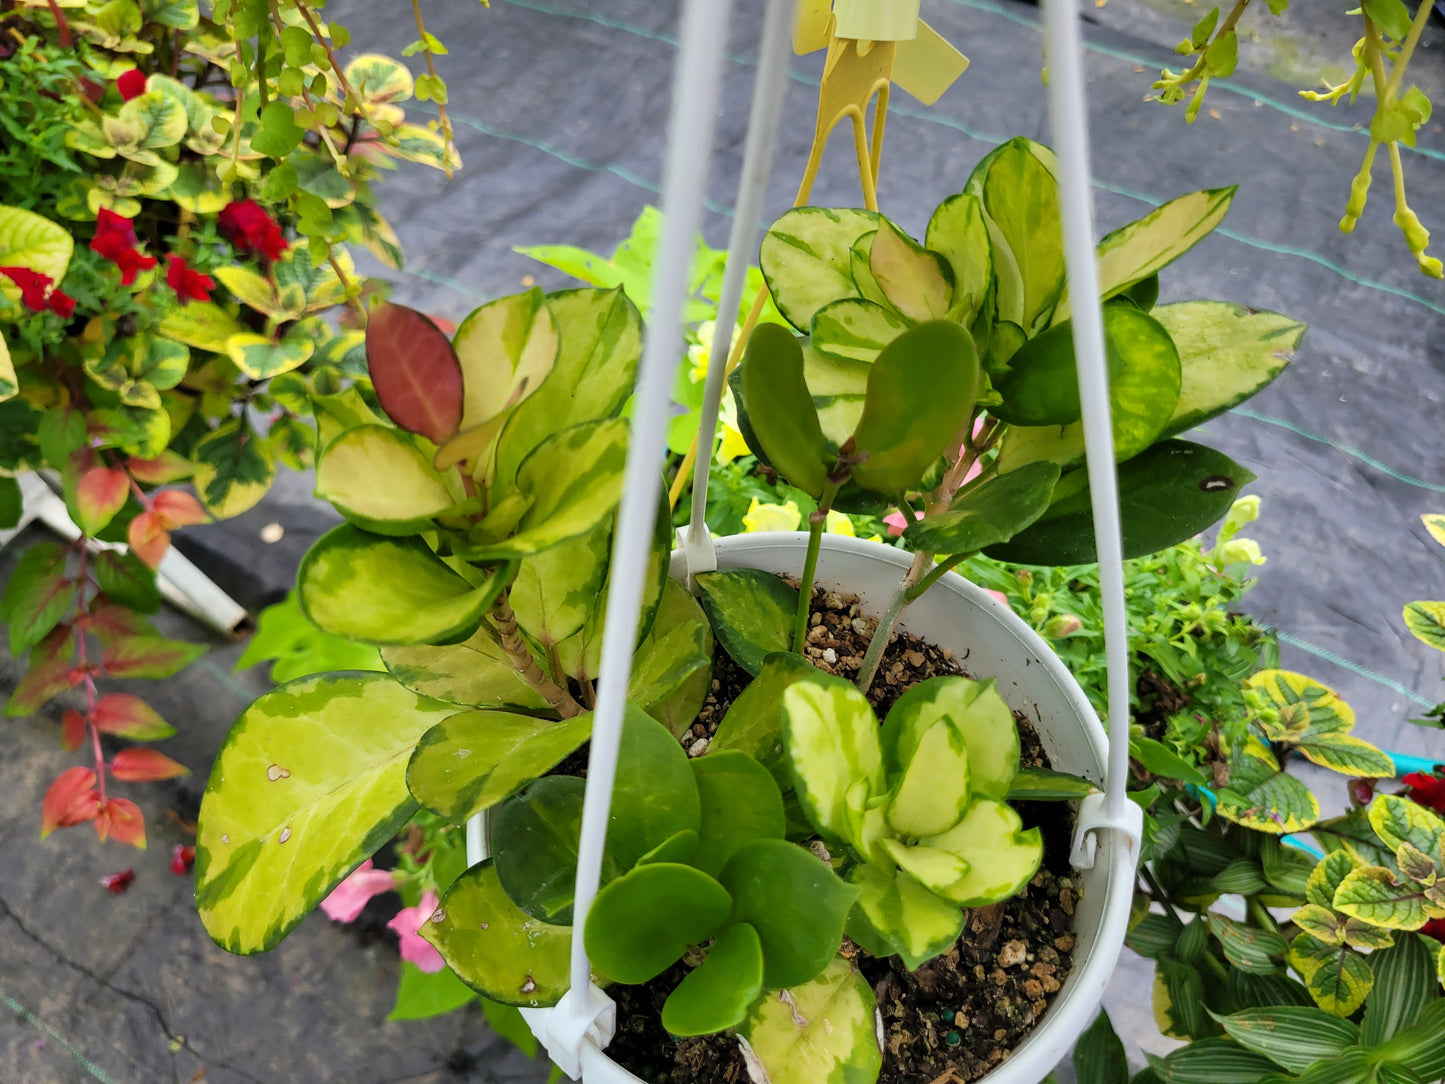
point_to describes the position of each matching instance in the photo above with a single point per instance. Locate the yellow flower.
(732, 444)
(700, 353)
(838, 523)
(771, 517)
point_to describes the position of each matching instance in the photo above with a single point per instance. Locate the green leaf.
(1294, 1038)
(989, 513)
(796, 903)
(821, 1031)
(655, 795)
(1020, 200)
(1213, 1061)
(957, 231)
(641, 923)
(1154, 935)
(1372, 895)
(233, 469)
(127, 580)
(203, 325)
(1427, 621)
(1418, 1047)
(388, 590)
(455, 759)
(1398, 820)
(780, 408)
(831, 737)
(754, 721)
(1045, 785)
(740, 803)
(716, 995)
(12, 504)
(896, 915)
(854, 329)
(1001, 855)
(423, 994)
(377, 479)
(1167, 494)
(1392, 16)
(1247, 947)
(806, 259)
(906, 423)
(506, 349)
(495, 947)
(672, 667)
(310, 781)
(979, 713)
(536, 835)
(1337, 977)
(1405, 980)
(557, 589)
(1099, 1054)
(1159, 759)
(573, 480)
(751, 613)
(1227, 353)
(37, 596)
(33, 241)
(916, 282)
(474, 672)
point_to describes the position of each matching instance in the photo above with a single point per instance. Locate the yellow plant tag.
(876, 20)
(811, 27)
(927, 65)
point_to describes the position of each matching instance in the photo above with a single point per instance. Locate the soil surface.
(956, 1017)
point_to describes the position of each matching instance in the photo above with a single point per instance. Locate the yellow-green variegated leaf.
(470, 761)
(672, 667)
(1001, 855)
(1398, 820)
(831, 737)
(897, 915)
(475, 672)
(957, 232)
(1262, 797)
(822, 1032)
(8, 384)
(506, 349)
(1021, 204)
(1337, 977)
(379, 80)
(33, 241)
(1313, 717)
(1440, 965)
(1134, 252)
(806, 258)
(390, 590)
(378, 480)
(1427, 621)
(260, 357)
(1435, 524)
(933, 793)
(1321, 923)
(916, 282)
(234, 469)
(573, 481)
(1323, 708)
(1371, 895)
(934, 869)
(1325, 879)
(495, 947)
(1348, 755)
(854, 329)
(310, 781)
(751, 613)
(202, 324)
(1227, 353)
(252, 289)
(838, 386)
(556, 589)
(977, 712)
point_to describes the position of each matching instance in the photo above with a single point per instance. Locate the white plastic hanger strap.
(586, 1013)
(1068, 119)
(767, 108)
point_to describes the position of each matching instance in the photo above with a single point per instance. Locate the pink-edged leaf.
(141, 765)
(162, 470)
(99, 495)
(121, 820)
(415, 371)
(109, 623)
(129, 717)
(71, 800)
(72, 730)
(149, 657)
(177, 508)
(49, 675)
(148, 538)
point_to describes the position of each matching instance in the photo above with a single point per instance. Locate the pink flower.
(896, 522)
(1003, 598)
(414, 949)
(350, 896)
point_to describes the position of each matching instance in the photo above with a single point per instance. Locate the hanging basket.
(962, 618)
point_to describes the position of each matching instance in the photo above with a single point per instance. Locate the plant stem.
(321, 40)
(884, 632)
(441, 104)
(936, 573)
(526, 665)
(1261, 914)
(1407, 48)
(816, 523)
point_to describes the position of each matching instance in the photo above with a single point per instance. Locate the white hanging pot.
(989, 640)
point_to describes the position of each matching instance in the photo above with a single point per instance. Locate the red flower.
(131, 263)
(131, 84)
(182, 856)
(1434, 928)
(250, 229)
(62, 304)
(118, 882)
(33, 286)
(115, 241)
(189, 285)
(1427, 790)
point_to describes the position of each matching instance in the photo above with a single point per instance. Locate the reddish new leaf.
(148, 538)
(50, 674)
(142, 765)
(130, 717)
(149, 657)
(415, 371)
(177, 508)
(72, 730)
(109, 623)
(99, 495)
(72, 799)
(162, 470)
(120, 819)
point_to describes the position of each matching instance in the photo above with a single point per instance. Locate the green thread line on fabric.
(30, 1018)
(1292, 111)
(1355, 668)
(228, 681)
(1354, 453)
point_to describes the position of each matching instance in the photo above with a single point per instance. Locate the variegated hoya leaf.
(806, 258)
(896, 915)
(751, 613)
(831, 737)
(820, 1031)
(1435, 524)
(473, 673)
(917, 283)
(506, 349)
(377, 479)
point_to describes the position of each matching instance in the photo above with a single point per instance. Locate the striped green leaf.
(1294, 1038)
(831, 737)
(310, 781)
(1418, 1047)
(822, 1032)
(854, 329)
(806, 258)
(1246, 947)
(1427, 621)
(1154, 935)
(495, 947)
(1405, 980)
(1212, 1061)
(1337, 977)
(389, 590)
(1227, 353)
(1178, 1000)
(1099, 1054)
(473, 673)
(751, 613)
(917, 283)
(376, 478)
